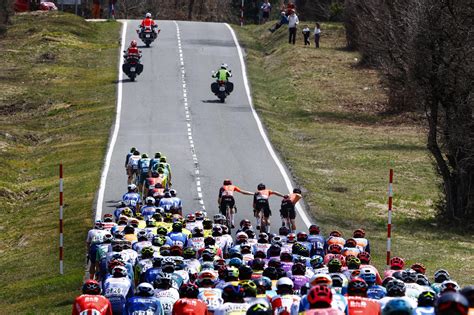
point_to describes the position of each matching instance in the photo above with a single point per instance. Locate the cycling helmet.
(231, 274)
(284, 285)
(260, 308)
(314, 229)
(132, 187)
(335, 233)
(321, 279)
(163, 281)
(148, 15)
(359, 233)
(250, 233)
(199, 215)
(283, 231)
(189, 252)
(142, 236)
(263, 238)
(145, 289)
(320, 296)
(163, 159)
(189, 290)
(353, 262)
(409, 276)
(317, 262)
(397, 307)
(161, 230)
(119, 272)
(177, 227)
(396, 287)
(334, 265)
(263, 284)
(271, 273)
(364, 258)
(207, 224)
(173, 192)
(261, 186)
(274, 251)
(426, 298)
(108, 238)
(250, 288)
(219, 218)
(144, 156)
(190, 218)
(274, 262)
(235, 262)
(298, 269)
(397, 263)
(257, 264)
(386, 280)
(398, 275)
(468, 292)
(422, 279)
(357, 287)
(245, 272)
(150, 201)
(198, 232)
(224, 66)
(165, 250)
(302, 237)
(449, 286)
(158, 240)
(147, 252)
(168, 218)
(338, 281)
(108, 217)
(91, 287)
(368, 275)
(286, 257)
(350, 242)
(291, 238)
(441, 275)
(233, 293)
(206, 278)
(98, 225)
(217, 230)
(227, 182)
(245, 222)
(419, 268)
(452, 303)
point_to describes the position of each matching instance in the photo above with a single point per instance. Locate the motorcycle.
(148, 35)
(132, 66)
(222, 89)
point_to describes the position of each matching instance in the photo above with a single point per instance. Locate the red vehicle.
(26, 5)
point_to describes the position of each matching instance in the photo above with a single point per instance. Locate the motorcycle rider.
(148, 22)
(132, 51)
(223, 74)
(91, 301)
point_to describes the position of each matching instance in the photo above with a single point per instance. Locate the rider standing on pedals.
(91, 302)
(261, 204)
(226, 197)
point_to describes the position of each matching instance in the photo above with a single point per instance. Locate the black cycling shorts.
(262, 205)
(226, 201)
(288, 213)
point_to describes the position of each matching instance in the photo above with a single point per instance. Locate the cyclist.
(167, 168)
(144, 301)
(396, 264)
(398, 306)
(285, 300)
(189, 302)
(91, 302)
(95, 237)
(177, 203)
(165, 292)
(357, 300)
(362, 242)
(317, 240)
(166, 202)
(143, 171)
(206, 281)
(149, 210)
(426, 302)
(132, 198)
(320, 300)
(118, 289)
(287, 210)
(155, 160)
(261, 206)
(132, 166)
(234, 303)
(374, 290)
(226, 199)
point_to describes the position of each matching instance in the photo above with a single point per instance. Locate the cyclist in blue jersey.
(144, 302)
(132, 198)
(177, 236)
(143, 171)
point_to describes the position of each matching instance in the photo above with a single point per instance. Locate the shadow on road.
(212, 101)
(123, 81)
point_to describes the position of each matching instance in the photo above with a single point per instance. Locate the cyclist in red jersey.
(189, 302)
(91, 301)
(357, 300)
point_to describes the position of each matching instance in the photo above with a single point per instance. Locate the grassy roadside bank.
(57, 104)
(325, 116)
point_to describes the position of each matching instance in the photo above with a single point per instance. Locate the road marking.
(105, 170)
(188, 118)
(280, 166)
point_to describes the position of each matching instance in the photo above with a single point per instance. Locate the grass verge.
(327, 118)
(57, 104)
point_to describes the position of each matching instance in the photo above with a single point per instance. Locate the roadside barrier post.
(61, 245)
(389, 224)
(242, 13)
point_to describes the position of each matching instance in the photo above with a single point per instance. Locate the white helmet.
(145, 289)
(132, 187)
(224, 66)
(148, 15)
(285, 281)
(150, 199)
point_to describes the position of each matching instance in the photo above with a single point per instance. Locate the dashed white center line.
(188, 118)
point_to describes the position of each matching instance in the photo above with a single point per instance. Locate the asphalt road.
(227, 142)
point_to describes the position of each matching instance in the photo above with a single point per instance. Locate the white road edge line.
(280, 166)
(110, 149)
(188, 117)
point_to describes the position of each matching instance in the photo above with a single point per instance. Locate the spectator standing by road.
(306, 34)
(96, 9)
(292, 26)
(266, 10)
(317, 35)
(112, 7)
